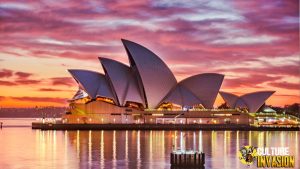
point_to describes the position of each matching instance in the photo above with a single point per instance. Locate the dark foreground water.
(22, 147)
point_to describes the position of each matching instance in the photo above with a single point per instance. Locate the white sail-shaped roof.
(182, 96)
(205, 86)
(253, 101)
(240, 103)
(153, 74)
(123, 81)
(150, 82)
(94, 83)
(256, 99)
(229, 98)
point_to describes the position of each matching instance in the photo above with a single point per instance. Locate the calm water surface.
(22, 147)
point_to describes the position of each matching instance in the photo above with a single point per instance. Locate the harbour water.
(22, 147)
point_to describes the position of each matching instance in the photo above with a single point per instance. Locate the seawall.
(234, 127)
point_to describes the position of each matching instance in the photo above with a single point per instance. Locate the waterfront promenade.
(234, 127)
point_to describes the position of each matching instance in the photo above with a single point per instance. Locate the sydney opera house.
(148, 92)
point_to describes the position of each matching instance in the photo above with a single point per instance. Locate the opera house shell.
(147, 87)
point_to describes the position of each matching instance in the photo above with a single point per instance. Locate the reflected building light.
(163, 143)
(267, 139)
(237, 162)
(261, 139)
(175, 140)
(138, 149)
(42, 145)
(54, 145)
(182, 141)
(151, 147)
(194, 141)
(102, 150)
(296, 144)
(49, 138)
(282, 139)
(78, 143)
(114, 150)
(213, 142)
(250, 138)
(90, 149)
(126, 148)
(66, 145)
(200, 142)
(227, 139)
(225, 144)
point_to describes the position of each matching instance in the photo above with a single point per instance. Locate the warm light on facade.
(157, 114)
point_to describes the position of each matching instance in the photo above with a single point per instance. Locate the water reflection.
(131, 149)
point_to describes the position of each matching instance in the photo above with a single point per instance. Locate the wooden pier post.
(187, 159)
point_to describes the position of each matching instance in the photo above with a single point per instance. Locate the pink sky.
(254, 43)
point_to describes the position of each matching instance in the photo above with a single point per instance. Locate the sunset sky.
(254, 43)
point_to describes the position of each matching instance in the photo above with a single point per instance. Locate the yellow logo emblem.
(247, 154)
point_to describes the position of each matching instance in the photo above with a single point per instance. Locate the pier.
(192, 159)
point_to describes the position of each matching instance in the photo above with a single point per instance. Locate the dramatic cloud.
(2, 98)
(16, 78)
(252, 81)
(5, 73)
(285, 85)
(27, 82)
(254, 43)
(7, 83)
(23, 75)
(65, 81)
(49, 90)
(39, 99)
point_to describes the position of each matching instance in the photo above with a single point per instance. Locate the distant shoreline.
(17, 126)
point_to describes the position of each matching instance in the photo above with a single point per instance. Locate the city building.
(148, 92)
